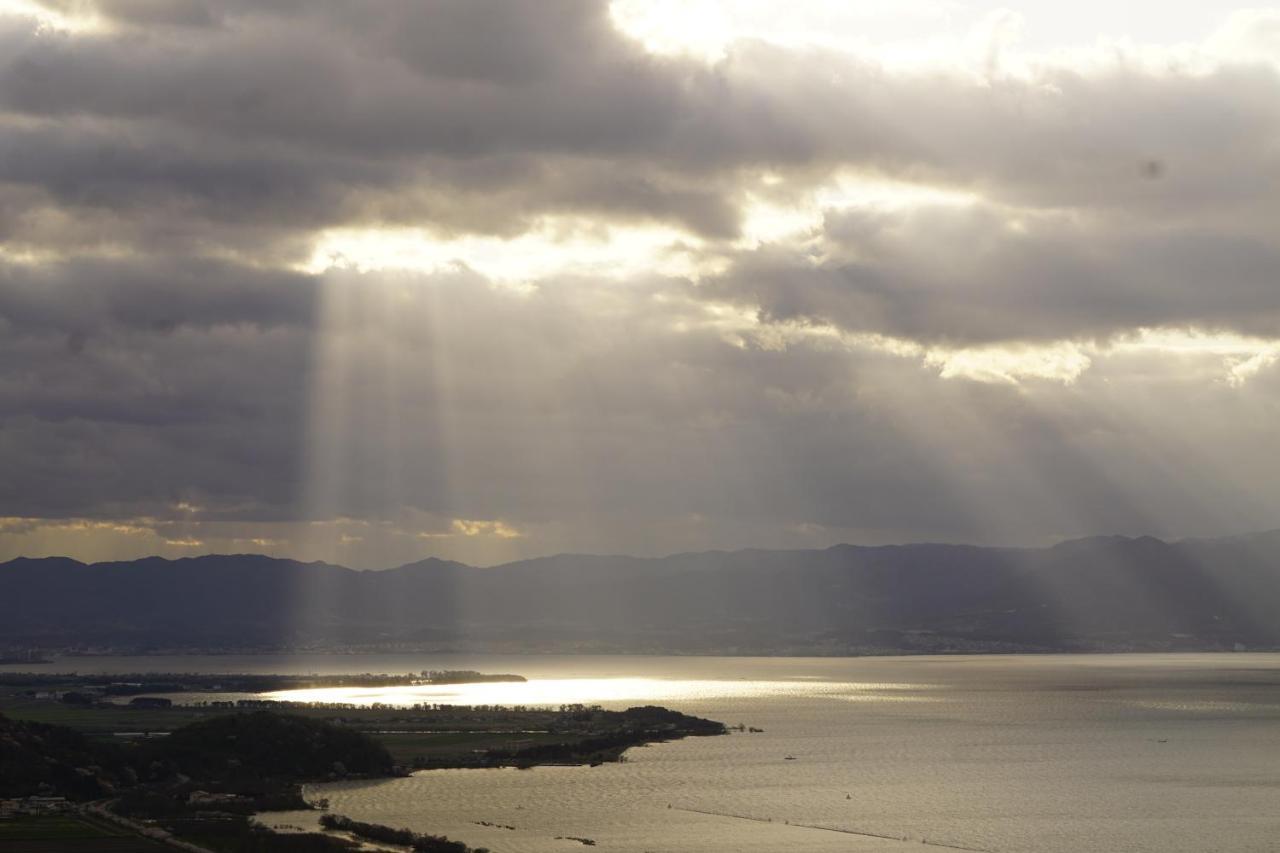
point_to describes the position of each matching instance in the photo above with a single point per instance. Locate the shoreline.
(798, 655)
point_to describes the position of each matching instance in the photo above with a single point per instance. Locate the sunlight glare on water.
(1030, 754)
(567, 691)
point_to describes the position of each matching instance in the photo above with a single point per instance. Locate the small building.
(204, 798)
(33, 806)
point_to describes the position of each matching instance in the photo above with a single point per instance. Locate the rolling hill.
(1097, 593)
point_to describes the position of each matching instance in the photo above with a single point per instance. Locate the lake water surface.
(1115, 753)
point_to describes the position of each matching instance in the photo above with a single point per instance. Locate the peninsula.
(198, 772)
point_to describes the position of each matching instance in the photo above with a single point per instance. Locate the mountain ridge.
(1100, 593)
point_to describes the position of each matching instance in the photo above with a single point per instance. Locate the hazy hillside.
(1111, 592)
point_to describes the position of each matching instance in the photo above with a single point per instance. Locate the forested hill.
(1100, 593)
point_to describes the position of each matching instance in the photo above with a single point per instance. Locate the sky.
(488, 280)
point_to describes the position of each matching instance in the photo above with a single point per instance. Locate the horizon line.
(667, 556)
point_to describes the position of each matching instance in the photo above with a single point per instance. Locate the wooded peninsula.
(101, 754)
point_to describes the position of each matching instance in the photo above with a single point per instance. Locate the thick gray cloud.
(584, 418)
(83, 298)
(307, 116)
(966, 274)
(168, 367)
(482, 115)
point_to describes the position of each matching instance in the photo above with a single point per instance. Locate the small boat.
(789, 757)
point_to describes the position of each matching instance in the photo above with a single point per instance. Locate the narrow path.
(834, 829)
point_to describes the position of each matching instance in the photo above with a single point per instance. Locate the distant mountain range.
(1106, 593)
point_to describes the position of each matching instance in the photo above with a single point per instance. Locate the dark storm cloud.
(964, 275)
(608, 419)
(130, 385)
(161, 178)
(133, 423)
(319, 115)
(245, 127)
(104, 296)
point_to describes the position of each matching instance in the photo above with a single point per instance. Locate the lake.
(1114, 753)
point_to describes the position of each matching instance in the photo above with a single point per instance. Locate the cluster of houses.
(25, 806)
(92, 694)
(204, 799)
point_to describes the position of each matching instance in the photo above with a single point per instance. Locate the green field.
(411, 737)
(72, 834)
(99, 719)
(104, 718)
(408, 747)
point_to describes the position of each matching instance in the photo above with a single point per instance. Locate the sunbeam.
(401, 395)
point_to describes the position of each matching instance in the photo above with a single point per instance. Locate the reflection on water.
(1119, 753)
(1018, 754)
(611, 691)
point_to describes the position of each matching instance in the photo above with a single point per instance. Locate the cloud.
(498, 275)
(242, 131)
(303, 115)
(601, 419)
(982, 273)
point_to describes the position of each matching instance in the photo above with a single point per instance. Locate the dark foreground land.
(72, 833)
(120, 708)
(105, 775)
